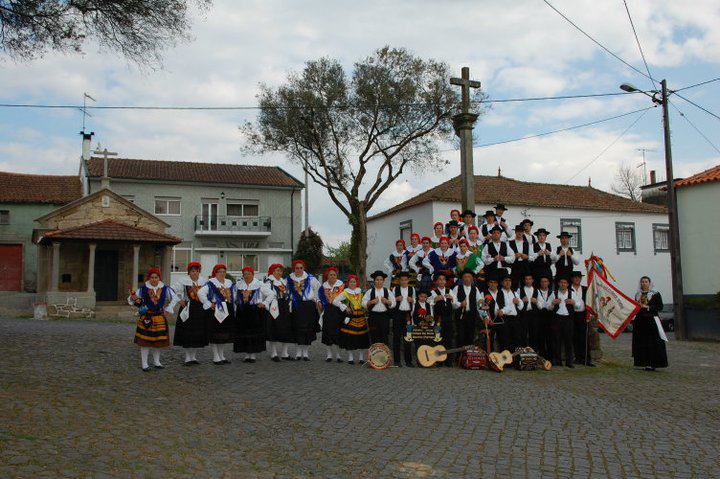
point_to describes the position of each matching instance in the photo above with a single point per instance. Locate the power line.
(696, 128)
(698, 106)
(637, 40)
(610, 145)
(596, 42)
(697, 84)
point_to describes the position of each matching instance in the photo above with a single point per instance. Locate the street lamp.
(660, 97)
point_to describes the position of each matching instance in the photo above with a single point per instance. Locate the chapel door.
(106, 275)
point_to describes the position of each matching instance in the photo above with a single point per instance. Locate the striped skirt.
(152, 331)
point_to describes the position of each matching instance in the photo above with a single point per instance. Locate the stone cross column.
(463, 123)
(91, 268)
(55, 271)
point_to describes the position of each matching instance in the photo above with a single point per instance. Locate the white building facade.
(632, 243)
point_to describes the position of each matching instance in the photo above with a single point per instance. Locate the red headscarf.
(473, 227)
(152, 271)
(454, 211)
(248, 268)
(327, 271)
(297, 262)
(426, 238)
(275, 266)
(439, 223)
(216, 268)
(401, 241)
(415, 235)
(353, 276)
(194, 264)
(463, 241)
(444, 238)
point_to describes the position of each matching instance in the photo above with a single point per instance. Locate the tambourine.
(379, 356)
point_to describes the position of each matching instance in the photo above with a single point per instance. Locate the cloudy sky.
(517, 49)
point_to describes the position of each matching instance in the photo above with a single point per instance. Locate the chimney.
(499, 172)
(589, 182)
(87, 139)
(652, 177)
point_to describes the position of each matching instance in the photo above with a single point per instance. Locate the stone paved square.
(74, 403)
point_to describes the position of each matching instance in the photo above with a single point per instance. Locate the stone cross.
(463, 123)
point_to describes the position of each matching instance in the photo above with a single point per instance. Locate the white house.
(698, 203)
(631, 237)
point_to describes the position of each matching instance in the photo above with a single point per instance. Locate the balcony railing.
(241, 225)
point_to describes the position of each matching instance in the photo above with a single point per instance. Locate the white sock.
(350, 356)
(273, 350)
(188, 355)
(252, 356)
(337, 351)
(194, 354)
(329, 352)
(156, 357)
(362, 355)
(285, 350)
(298, 351)
(221, 351)
(305, 351)
(144, 356)
(216, 353)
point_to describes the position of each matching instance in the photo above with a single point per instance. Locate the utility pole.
(675, 260)
(307, 205)
(463, 123)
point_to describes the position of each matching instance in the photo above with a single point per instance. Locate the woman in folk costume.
(354, 332)
(466, 259)
(332, 315)
(438, 232)
(304, 305)
(217, 297)
(454, 217)
(397, 261)
(251, 299)
(281, 333)
(191, 324)
(154, 301)
(415, 247)
(475, 243)
(422, 273)
(648, 337)
(442, 260)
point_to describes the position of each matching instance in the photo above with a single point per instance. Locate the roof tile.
(707, 176)
(25, 188)
(111, 230)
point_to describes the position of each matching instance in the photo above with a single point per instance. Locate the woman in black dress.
(250, 303)
(280, 330)
(648, 346)
(191, 325)
(217, 298)
(332, 316)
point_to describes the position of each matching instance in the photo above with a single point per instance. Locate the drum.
(473, 359)
(379, 356)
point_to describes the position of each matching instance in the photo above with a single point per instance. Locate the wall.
(20, 230)
(598, 237)
(699, 224)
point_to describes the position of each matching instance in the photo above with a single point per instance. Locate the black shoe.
(298, 358)
(194, 361)
(361, 362)
(351, 363)
(275, 359)
(188, 363)
(253, 361)
(146, 370)
(247, 360)
(226, 361)
(218, 363)
(306, 358)
(339, 360)
(287, 358)
(158, 366)
(328, 360)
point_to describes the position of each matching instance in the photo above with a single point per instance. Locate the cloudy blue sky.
(517, 49)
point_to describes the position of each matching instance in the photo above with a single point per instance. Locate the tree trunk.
(358, 242)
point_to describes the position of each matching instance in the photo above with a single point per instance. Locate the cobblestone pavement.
(74, 403)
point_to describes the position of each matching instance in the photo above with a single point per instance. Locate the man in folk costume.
(497, 255)
(527, 225)
(466, 259)
(332, 315)
(544, 256)
(524, 256)
(454, 235)
(581, 328)
(529, 318)
(154, 301)
(218, 297)
(500, 210)
(281, 333)
(490, 223)
(354, 332)
(304, 305)
(512, 306)
(468, 218)
(422, 310)
(404, 295)
(442, 260)
(496, 320)
(424, 273)
(541, 339)
(379, 303)
(251, 299)
(438, 232)
(192, 322)
(467, 303)
(565, 259)
(442, 300)
(563, 302)
(648, 343)
(397, 261)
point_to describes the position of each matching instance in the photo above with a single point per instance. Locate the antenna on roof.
(84, 108)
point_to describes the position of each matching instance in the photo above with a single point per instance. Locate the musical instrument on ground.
(529, 360)
(473, 358)
(379, 356)
(498, 361)
(429, 355)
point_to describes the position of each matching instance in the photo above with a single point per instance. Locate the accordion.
(473, 359)
(527, 361)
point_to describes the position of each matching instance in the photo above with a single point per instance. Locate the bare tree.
(139, 29)
(627, 182)
(356, 134)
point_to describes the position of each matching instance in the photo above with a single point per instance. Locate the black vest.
(443, 308)
(411, 294)
(473, 299)
(560, 267)
(493, 251)
(570, 307)
(542, 261)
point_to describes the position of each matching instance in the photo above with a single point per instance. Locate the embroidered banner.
(613, 308)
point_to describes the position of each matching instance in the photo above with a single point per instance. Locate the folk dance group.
(478, 285)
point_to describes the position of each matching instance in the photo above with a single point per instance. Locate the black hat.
(563, 276)
(403, 274)
(527, 220)
(469, 212)
(502, 276)
(542, 230)
(494, 276)
(440, 273)
(452, 223)
(378, 273)
(496, 228)
(500, 206)
(467, 271)
(489, 213)
(544, 275)
(424, 291)
(576, 274)
(564, 234)
(520, 228)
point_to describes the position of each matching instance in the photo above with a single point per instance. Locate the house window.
(573, 227)
(625, 237)
(237, 261)
(243, 209)
(4, 217)
(167, 206)
(661, 238)
(181, 258)
(406, 230)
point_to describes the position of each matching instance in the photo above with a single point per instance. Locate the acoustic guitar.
(430, 355)
(498, 361)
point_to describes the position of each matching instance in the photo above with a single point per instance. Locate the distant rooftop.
(51, 189)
